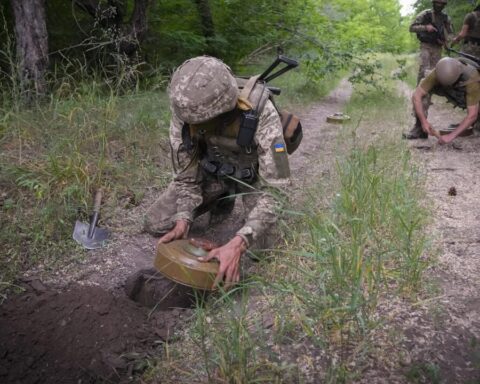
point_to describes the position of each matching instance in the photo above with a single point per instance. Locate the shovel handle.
(98, 200)
(96, 210)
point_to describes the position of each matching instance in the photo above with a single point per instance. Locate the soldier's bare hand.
(178, 232)
(431, 28)
(427, 128)
(229, 257)
(445, 139)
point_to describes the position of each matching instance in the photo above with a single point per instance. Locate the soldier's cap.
(439, 1)
(202, 88)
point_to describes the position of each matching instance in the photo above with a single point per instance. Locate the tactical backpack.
(254, 93)
(475, 28)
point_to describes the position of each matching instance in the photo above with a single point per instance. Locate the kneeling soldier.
(209, 120)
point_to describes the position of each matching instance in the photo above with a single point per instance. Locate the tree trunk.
(206, 21)
(127, 37)
(137, 30)
(31, 45)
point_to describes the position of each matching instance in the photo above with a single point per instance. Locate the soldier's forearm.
(418, 106)
(260, 219)
(418, 28)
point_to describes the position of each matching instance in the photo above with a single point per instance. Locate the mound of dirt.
(83, 335)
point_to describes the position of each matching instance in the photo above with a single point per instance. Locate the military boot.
(476, 126)
(415, 133)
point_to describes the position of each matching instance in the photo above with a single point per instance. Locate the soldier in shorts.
(210, 167)
(433, 27)
(470, 33)
(459, 81)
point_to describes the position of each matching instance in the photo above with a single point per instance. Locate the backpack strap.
(248, 87)
(251, 101)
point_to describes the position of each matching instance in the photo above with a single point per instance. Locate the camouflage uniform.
(464, 93)
(430, 47)
(471, 44)
(430, 52)
(209, 164)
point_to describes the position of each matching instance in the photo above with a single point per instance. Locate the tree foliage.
(324, 33)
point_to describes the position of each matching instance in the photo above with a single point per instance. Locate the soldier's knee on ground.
(155, 222)
(155, 228)
(260, 246)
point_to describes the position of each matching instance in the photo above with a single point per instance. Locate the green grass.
(358, 235)
(355, 237)
(54, 156)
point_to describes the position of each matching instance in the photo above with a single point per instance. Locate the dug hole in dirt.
(86, 334)
(100, 321)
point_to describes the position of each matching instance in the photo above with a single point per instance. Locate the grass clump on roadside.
(53, 158)
(357, 237)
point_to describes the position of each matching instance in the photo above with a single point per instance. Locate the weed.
(53, 158)
(424, 373)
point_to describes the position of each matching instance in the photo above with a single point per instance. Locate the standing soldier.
(433, 28)
(470, 33)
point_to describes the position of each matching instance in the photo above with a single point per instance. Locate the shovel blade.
(98, 239)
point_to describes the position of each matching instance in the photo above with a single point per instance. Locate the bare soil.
(92, 320)
(437, 339)
(82, 334)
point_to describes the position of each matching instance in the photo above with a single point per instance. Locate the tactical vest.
(456, 95)
(439, 22)
(226, 146)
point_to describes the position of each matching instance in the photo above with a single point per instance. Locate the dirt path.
(437, 340)
(453, 186)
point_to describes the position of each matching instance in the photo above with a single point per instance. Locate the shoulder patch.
(279, 147)
(280, 157)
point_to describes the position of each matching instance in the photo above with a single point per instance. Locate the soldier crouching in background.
(458, 80)
(218, 151)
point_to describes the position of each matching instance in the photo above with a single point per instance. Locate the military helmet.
(201, 89)
(448, 70)
(439, 1)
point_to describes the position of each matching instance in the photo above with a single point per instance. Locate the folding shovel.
(89, 235)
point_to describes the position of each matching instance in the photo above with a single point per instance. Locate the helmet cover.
(202, 88)
(448, 70)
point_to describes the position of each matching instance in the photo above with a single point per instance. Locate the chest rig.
(439, 21)
(225, 145)
(219, 153)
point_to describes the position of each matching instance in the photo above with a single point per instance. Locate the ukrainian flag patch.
(279, 147)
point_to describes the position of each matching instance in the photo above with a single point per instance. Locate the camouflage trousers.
(219, 199)
(429, 57)
(471, 49)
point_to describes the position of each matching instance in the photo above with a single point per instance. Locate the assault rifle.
(475, 59)
(267, 76)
